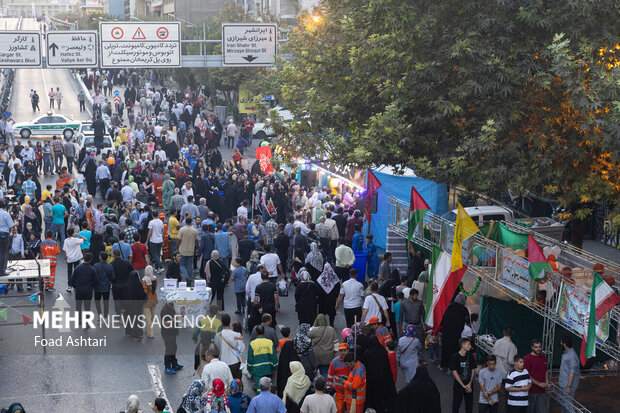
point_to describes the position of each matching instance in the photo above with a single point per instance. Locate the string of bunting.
(4, 311)
(473, 290)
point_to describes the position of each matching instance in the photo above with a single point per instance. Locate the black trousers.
(4, 252)
(342, 273)
(240, 301)
(350, 313)
(170, 352)
(105, 297)
(458, 394)
(119, 305)
(82, 300)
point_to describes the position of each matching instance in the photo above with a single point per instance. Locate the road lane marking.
(158, 386)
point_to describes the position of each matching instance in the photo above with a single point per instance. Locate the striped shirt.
(29, 188)
(518, 379)
(58, 146)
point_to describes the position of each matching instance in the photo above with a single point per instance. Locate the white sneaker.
(69, 289)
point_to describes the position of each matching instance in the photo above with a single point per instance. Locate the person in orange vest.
(49, 251)
(381, 331)
(338, 373)
(64, 178)
(355, 385)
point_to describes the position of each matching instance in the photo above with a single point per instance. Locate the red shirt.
(537, 367)
(249, 125)
(138, 256)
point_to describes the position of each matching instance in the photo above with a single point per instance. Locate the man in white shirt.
(187, 190)
(216, 369)
(272, 264)
(27, 153)
(73, 251)
(374, 304)
(304, 229)
(127, 193)
(243, 209)
(253, 281)
(319, 402)
(155, 239)
(505, 351)
(230, 347)
(345, 258)
(161, 153)
(352, 291)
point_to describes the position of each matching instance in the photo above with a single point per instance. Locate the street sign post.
(249, 44)
(71, 49)
(140, 44)
(20, 49)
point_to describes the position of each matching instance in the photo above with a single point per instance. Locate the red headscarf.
(218, 387)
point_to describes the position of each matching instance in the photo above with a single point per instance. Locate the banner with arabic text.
(574, 309)
(512, 273)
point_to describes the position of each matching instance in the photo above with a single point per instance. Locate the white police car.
(49, 124)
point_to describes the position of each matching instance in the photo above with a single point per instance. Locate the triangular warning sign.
(139, 35)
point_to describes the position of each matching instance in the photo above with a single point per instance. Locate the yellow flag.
(465, 228)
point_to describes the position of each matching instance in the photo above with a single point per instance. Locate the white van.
(483, 215)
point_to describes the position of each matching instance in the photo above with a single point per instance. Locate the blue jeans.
(187, 268)
(60, 229)
(47, 163)
(155, 252)
(173, 246)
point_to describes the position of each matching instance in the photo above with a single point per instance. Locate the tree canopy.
(484, 95)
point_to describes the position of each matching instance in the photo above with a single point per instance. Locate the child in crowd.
(285, 331)
(400, 296)
(433, 344)
(391, 349)
(490, 381)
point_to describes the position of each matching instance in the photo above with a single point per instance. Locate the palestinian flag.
(417, 209)
(538, 267)
(444, 283)
(602, 300)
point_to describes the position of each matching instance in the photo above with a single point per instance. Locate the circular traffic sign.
(162, 33)
(117, 33)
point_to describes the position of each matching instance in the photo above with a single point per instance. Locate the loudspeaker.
(308, 178)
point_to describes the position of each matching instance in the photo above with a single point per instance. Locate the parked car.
(262, 130)
(88, 141)
(49, 124)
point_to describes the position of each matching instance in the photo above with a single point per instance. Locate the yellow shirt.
(173, 227)
(108, 251)
(45, 194)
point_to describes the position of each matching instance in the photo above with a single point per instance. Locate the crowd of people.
(164, 203)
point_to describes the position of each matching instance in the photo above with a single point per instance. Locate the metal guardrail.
(398, 214)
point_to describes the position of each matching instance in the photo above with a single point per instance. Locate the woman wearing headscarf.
(420, 396)
(306, 298)
(380, 390)
(133, 404)
(452, 325)
(167, 190)
(134, 296)
(407, 353)
(324, 343)
(217, 401)
(214, 272)
(89, 165)
(238, 401)
(287, 354)
(303, 347)
(314, 261)
(149, 284)
(30, 217)
(193, 402)
(327, 297)
(297, 387)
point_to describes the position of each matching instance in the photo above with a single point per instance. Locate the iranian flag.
(417, 209)
(538, 267)
(444, 282)
(602, 300)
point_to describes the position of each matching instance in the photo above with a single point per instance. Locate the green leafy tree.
(484, 95)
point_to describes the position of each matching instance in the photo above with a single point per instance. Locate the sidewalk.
(602, 250)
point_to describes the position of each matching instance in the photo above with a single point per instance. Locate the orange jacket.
(355, 386)
(49, 250)
(383, 334)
